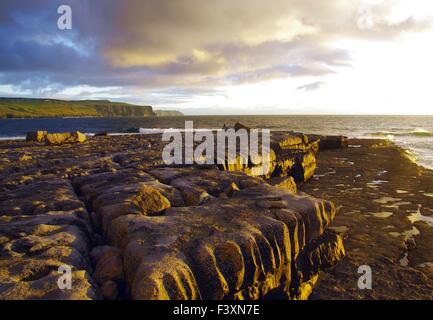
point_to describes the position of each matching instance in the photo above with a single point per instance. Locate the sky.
(225, 56)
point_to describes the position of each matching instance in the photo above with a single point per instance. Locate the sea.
(413, 133)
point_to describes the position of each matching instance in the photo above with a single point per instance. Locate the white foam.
(162, 130)
(13, 138)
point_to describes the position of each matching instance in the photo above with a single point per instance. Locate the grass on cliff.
(32, 108)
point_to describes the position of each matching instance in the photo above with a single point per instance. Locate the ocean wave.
(419, 155)
(13, 138)
(414, 133)
(162, 130)
(422, 133)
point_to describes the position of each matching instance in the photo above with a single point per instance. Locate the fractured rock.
(149, 201)
(287, 183)
(108, 265)
(62, 138)
(199, 251)
(43, 227)
(181, 232)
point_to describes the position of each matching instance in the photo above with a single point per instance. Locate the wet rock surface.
(387, 218)
(131, 228)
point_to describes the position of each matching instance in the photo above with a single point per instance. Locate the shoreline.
(375, 200)
(408, 152)
(385, 214)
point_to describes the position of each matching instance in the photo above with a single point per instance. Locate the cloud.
(312, 86)
(149, 33)
(191, 45)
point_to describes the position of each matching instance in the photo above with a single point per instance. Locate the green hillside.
(168, 113)
(38, 108)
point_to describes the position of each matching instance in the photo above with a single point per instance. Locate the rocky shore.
(130, 227)
(385, 210)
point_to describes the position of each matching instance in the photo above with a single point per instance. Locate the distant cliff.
(41, 108)
(168, 113)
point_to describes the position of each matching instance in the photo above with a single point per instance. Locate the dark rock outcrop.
(102, 134)
(330, 142)
(36, 136)
(291, 154)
